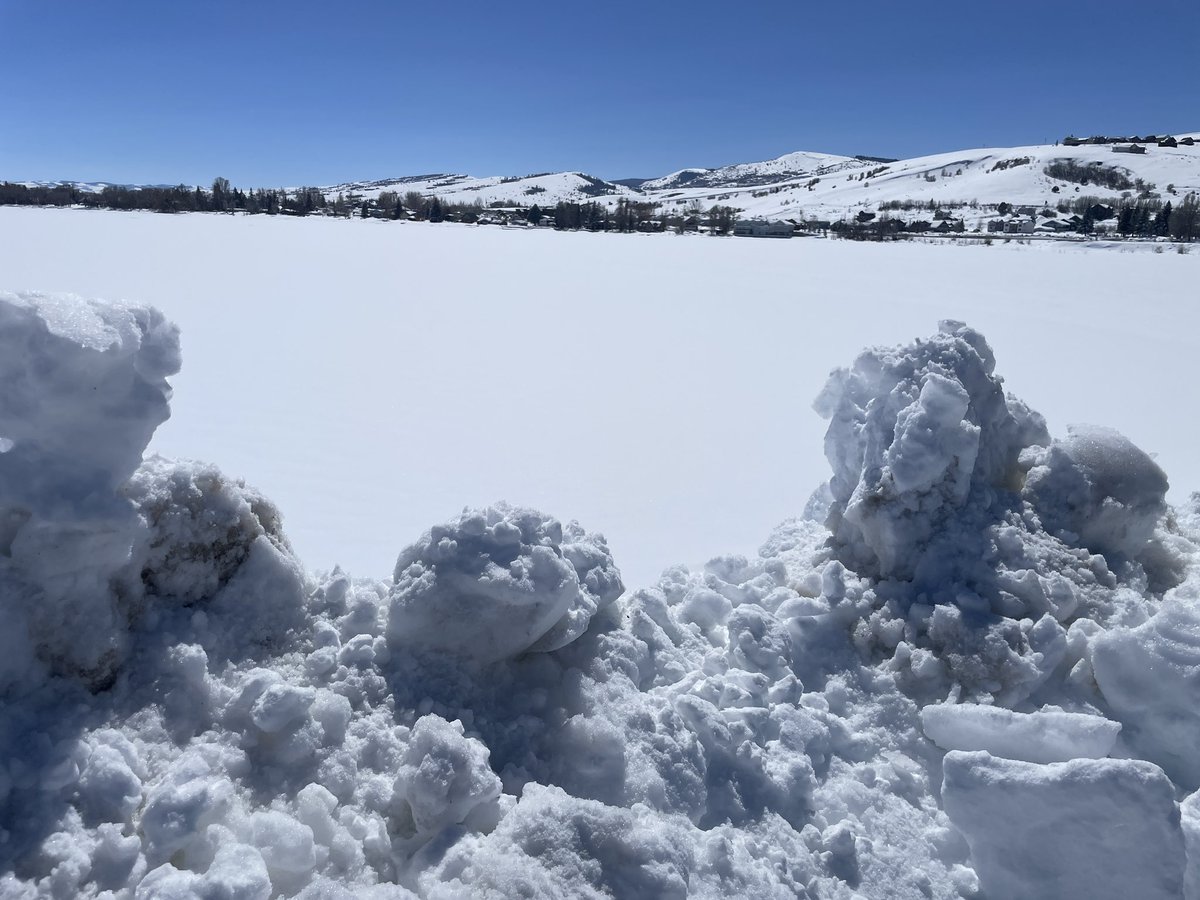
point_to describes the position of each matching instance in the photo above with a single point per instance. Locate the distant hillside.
(545, 188)
(790, 166)
(1047, 186)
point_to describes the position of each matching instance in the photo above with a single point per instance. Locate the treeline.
(627, 216)
(221, 197)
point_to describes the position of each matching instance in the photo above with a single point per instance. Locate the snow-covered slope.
(86, 187)
(991, 175)
(811, 185)
(826, 186)
(543, 189)
(801, 164)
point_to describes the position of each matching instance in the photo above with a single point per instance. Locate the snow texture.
(188, 713)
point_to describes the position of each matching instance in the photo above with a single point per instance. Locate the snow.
(1079, 829)
(956, 179)
(1041, 737)
(499, 582)
(648, 383)
(936, 683)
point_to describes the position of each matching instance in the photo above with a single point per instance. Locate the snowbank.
(187, 713)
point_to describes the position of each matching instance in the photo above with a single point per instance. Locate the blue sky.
(289, 93)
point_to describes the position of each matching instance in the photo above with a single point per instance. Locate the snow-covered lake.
(373, 378)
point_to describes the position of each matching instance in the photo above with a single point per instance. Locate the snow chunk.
(237, 872)
(498, 582)
(1100, 488)
(281, 706)
(82, 388)
(554, 845)
(912, 431)
(286, 845)
(1079, 829)
(1150, 676)
(200, 526)
(1041, 737)
(444, 776)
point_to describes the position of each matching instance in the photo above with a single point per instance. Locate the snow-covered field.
(374, 377)
(970, 670)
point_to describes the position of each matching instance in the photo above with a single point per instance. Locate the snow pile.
(501, 718)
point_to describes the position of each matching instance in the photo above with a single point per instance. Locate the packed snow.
(935, 683)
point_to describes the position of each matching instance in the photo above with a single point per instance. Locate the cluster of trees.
(1150, 218)
(221, 197)
(1093, 173)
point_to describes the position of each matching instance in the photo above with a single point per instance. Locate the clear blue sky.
(288, 93)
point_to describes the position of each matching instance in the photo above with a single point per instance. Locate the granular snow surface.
(967, 666)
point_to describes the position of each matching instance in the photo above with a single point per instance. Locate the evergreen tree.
(1125, 220)
(1162, 221)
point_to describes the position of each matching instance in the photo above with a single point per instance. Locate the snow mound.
(1104, 492)
(913, 431)
(498, 582)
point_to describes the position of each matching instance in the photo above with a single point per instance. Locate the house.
(761, 228)
(1128, 148)
(1168, 141)
(1072, 141)
(1018, 226)
(995, 225)
(1187, 141)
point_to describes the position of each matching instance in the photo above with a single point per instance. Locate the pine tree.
(1162, 221)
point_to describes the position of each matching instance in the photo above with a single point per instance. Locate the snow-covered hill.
(990, 175)
(546, 188)
(809, 185)
(967, 184)
(790, 166)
